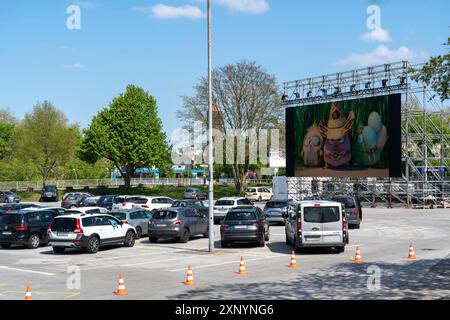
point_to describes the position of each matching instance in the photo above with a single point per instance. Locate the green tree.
(46, 139)
(436, 73)
(128, 133)
(7, 131)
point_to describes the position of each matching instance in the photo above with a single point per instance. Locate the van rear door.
(312, 224)
(332, 224)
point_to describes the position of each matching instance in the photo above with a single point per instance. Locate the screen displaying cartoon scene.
(351, 138)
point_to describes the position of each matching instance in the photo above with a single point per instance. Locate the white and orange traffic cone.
(358, 258)
(121, 291)
(411, 255)
(242, 270)
(28, 294)
(189, 277)
(293, 260)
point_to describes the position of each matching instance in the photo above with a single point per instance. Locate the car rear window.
(244, 202)
(190, 190)
(233, 216)
(11, 219)
(321, 214)
(119, 200)
(276, 204)
(348, 202)
(251, 190)
(179, 204)
(165, 215)
(140, 201)
(225, 203)
(64, 224)
(119, 215)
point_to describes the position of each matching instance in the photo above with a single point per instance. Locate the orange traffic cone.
(242, 267)
(411, 255)
(28, 294)
(189, 277)
(293, 260)
(358, 256)
(121, 291)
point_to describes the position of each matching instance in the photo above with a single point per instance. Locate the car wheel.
(259, 199)
(138, 233)
(5, 245)
(262, 242)
(153, 240)
(59, 250)
(184, 236)
(224, 244)
(93, 245)
(129, 239)
(34, 241)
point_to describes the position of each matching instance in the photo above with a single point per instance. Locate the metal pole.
(210, 138)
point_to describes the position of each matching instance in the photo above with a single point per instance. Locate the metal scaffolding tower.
(425, 139)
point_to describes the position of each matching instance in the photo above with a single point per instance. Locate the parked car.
(258, 194)
(69, 194)
(275, 210)
(222, 206)
(353, 209)
(153, 203)
(86, 210)
(58, 210)
(72, 201)
(106, 202)
(49, 193)
(179, 223)
(9, 197)
(26, 227)
(199, 205)
(316, 224)
(89, 232)
(245, 224)
(125, 202)
(8, 208)
(138, 218)
(193, 193)
(88, 201)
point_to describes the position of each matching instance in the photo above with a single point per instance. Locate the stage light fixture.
(284, 97)
(309, 94)
(352, 87)
(384, 82)
(297, 95)
(324, 92)
(402, 80)
(368, 84)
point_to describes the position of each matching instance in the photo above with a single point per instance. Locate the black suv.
(245, 224)
(25, 227)
(49, 193)
(8, 208)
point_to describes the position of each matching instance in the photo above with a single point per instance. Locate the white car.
(259, 194)
(86, 210)
(222, 206)
(153, 203)
(89, 232)
(125, 202)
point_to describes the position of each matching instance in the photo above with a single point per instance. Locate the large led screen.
(351, 138)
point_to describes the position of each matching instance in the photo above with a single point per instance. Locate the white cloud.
(76, 66)
(162, 11)
(382, 55)
(246, 6)
(378, 34)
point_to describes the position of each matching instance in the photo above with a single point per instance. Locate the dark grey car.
(138, 218)
(9, 197)
(353, 210)
(179, 223)
(194, 193)
(199, 205)
(275, 209)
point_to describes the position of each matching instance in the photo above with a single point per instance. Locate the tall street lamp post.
(210, 138)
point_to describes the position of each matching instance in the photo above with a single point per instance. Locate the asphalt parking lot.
(156, 271)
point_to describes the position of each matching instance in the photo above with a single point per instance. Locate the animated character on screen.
(371, 141)
(312, 152)
(337, 149)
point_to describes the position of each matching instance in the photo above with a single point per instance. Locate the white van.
(316, 224)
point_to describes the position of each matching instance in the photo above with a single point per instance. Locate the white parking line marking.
(131, 256)
(155, 261)
(28, 271)
(223, 263)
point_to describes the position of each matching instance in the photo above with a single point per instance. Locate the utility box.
(280, 188)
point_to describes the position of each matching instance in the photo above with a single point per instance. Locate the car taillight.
(255, 194)
(125, 222)
(22, 228)
(356, 213)
(299, 226)
(78, 229)
(177, 222)
(145, 206)
(124, 204)
(258, 224)
(344, 226)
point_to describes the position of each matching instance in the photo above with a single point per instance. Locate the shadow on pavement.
(425, 279)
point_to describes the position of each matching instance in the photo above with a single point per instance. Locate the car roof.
(126, 210)
(231, 198)
(79, 215)
(244, 208)
(321, 202)
(84, 209)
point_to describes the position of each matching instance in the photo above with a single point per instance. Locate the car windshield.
(348, 202)
(11, 219)
(233, 216)
(119, 215)
(50, 188)
(165, 215)
(225, 203)
(64, 224)
(276, 204)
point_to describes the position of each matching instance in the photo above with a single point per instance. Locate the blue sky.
(161, 45)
